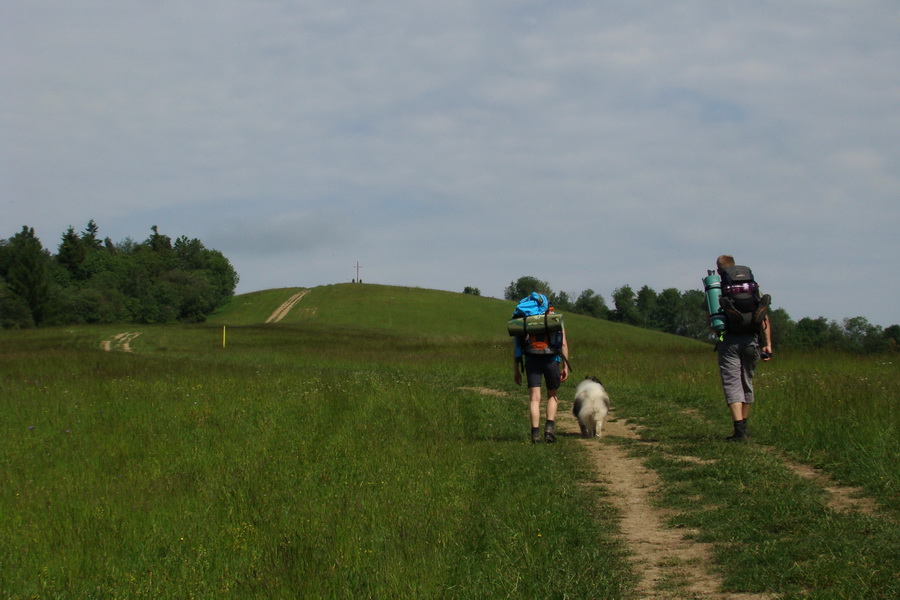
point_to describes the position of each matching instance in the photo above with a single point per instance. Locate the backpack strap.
(761, 310)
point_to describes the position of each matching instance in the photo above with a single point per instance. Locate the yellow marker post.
(223, 336)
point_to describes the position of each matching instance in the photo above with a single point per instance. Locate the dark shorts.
(538, 368)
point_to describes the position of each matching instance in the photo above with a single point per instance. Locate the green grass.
(772, 530)
(249, 309)
(837, 412)
(341, 454)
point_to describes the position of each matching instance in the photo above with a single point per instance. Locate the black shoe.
(535, 435)
(740, 432)
(550, 433)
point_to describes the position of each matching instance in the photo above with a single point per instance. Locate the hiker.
(746, 338)
(543, 357)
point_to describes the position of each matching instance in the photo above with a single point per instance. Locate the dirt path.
(840, 497)
(672, 565)
(286, 307)
(120, 342)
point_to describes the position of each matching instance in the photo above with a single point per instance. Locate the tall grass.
(834, 411)
(344, 453)
(175, 472)
(837, 412)
(772, 530)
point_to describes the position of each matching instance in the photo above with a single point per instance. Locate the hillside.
(420, 312)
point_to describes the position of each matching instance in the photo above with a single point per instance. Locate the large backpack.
(537, 329)
(745, 309)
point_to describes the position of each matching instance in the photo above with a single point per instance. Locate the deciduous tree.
(524, 286)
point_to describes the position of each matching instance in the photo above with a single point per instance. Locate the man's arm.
(767, 337)
(517, 362)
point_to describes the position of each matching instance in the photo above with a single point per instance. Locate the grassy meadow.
(349, 451)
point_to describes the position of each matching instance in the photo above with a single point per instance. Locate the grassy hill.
(373, 444)
(423, 313)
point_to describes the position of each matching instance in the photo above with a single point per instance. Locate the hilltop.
(422, 313)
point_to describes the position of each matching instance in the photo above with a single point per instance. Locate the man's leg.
(534, 398)
(739, 413)
(732, 373)
(552, 405)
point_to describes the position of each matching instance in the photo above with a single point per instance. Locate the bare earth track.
(672, 566)
(120, 342)
(286, 307)
(840, 497)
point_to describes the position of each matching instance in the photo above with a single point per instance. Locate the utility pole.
(357, 272)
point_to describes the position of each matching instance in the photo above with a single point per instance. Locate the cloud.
(288, 233)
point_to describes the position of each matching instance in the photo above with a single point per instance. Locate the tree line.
(684, 313)
(90, 280)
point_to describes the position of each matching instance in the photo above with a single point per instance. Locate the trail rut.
(286, 307)
(120, 342)
(672, 565)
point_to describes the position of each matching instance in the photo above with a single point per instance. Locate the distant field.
(372, 444)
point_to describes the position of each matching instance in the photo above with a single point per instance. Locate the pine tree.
(27, 277)
(71, 253)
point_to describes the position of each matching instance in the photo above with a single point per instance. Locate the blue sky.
(444, 145)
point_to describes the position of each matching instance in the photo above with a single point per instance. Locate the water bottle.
(712, 284)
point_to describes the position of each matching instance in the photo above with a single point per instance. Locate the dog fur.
(590, 406)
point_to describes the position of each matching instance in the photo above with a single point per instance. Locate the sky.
(590, 144)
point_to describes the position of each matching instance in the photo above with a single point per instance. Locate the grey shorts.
(540, 368)
(738, 355)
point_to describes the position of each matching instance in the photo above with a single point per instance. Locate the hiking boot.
(535, 435)
(550, 432)
(740, 432)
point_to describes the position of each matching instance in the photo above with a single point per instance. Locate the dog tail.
(576, 407)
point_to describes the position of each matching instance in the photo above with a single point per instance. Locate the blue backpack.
(541, 334)
(535, 304)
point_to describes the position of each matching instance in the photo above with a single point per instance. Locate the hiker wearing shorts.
(739, 351)
(551, 369)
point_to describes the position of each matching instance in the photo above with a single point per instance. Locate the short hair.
(725, 261)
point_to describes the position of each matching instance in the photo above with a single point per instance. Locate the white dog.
(590, 406)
